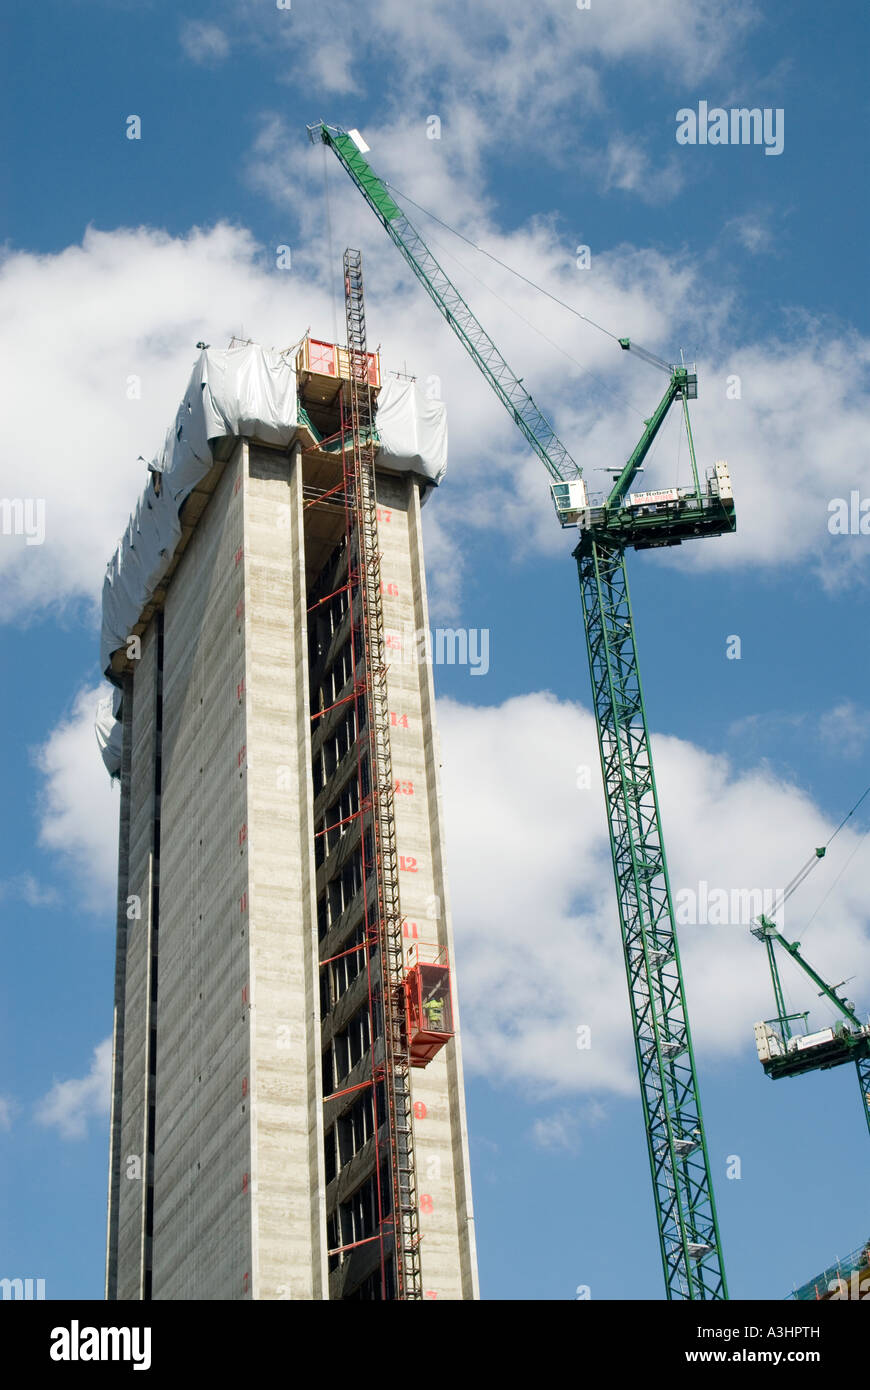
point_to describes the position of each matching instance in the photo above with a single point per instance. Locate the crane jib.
(689, 1240)
(371, 185)
(438, 285)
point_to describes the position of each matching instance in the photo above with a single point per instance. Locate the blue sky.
(557, 129)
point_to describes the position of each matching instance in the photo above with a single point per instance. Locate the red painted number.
(404, 788)
(407, 863)
(391, 589)
(419, 1110)
(410, 929)
(398, 721)
(426, 1203)
(383, 515)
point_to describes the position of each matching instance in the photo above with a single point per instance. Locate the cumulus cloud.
(532, 888)
(78, 810)
(538, 941)
(114, 323)
(70, 1105)
(751, 389)
(526, 67)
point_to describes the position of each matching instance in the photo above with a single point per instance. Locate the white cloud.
(69, 1105)
(752, 231)
(79, 804)
(629, 168)
(6, 1110)
(533, 903)
(204, 43)
(846, 728)
(525, 66)
(129, 306)
(843, 730)
(562, 1130)
(26, 887)
(532, 889)
(751, 391)
(121, 312)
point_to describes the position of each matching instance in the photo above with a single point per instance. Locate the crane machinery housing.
(688, 1233)
(783, 1051)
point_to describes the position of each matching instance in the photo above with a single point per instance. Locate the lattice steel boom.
(683, 1190)
(682, 1185)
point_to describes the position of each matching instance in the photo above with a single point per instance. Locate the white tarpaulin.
(233, 391)
(109, 730)
(412, 429)
(245, 391)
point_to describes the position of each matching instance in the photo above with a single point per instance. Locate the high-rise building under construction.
(288, 1111)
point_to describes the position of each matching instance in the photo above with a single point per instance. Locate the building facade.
(244, 1148)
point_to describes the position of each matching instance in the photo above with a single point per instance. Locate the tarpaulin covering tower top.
(246, 391)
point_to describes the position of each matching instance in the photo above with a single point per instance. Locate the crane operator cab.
(428, 1008)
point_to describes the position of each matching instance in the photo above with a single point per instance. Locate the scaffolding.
(395, 1175)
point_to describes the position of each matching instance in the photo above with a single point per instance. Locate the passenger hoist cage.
(395, 1176)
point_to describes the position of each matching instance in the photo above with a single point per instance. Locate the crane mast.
(688, 1232)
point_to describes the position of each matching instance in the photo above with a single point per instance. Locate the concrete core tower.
(243, 1145)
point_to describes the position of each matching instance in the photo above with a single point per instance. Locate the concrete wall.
(448, 1253)
(238, 1176)
(289, 1259)
(131, 1093)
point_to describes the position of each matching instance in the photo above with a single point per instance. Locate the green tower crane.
(784, 1052)
(688, 1231)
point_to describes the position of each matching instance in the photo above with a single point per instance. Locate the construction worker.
(434, 1010)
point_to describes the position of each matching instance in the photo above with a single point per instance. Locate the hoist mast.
(683, 1191)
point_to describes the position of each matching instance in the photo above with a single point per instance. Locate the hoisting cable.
(839, 876)
(329, 270)
(504, 266)
(533, 326)
(623, 342)
(814, 859)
